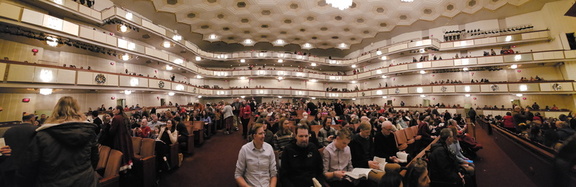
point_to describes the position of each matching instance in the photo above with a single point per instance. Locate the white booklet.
(359, 173)
(381, 162)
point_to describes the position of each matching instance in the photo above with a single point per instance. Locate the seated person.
(284, 136)
(385, 143)
(338, 159)
(444, 167)
(167, 136)
(361, 147)
(417, 175)
(144, 130)
(301, 161)
(327, 133)
(256, 164)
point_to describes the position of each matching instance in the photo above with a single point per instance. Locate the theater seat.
(104, 152)
(198, 131)
(190, 144)
(136, 144)
(145, 163)
(111, 177)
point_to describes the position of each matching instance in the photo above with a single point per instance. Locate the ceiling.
(313, 21)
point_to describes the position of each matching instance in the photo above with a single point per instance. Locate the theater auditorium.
(371, 93)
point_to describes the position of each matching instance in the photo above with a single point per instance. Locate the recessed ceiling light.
(177, 37)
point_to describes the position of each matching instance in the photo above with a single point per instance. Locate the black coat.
(443, 165)
(18, 138)
(300, 165)
(62, 155)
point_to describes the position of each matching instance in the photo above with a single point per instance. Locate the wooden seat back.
(409, 133)
(136, 145)
(147, 148)
(113, 164)
(104, 152)
(316, 128)
(400, 137)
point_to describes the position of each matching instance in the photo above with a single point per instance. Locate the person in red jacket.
(508, 122)
(245, 114)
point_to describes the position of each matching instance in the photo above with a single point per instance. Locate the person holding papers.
(385, 143)
(362, 148)
(338, 159)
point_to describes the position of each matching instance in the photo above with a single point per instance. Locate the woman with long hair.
(417, 175)
(284, 135)
(64, 151)
(121, 139)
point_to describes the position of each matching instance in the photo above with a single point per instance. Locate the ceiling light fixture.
(248, 42)
(514, 66)
(171, 93)
(177, 37)
(198, 58)
(378, 52)
(313, 64)
(169, 67)
(279, 42)
(242, 60)
(307, 46)
(354, 66)
(51, 41)
(123, 28)
(167, 44)
(125, 57)
(280, 60)
(127, 92)
(384, 58)
(340, 4)
(46, 91)
(129, 16)
(343, 46)
(407, 1)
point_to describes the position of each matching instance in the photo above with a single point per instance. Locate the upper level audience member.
(17, 138)
(64, 151)
(256, 164)
(301, 161)
(444, 167)
(338, 159)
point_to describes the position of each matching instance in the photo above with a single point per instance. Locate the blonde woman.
(64, 151)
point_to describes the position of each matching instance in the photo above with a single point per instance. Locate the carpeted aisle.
(493, 166)
(212, 164)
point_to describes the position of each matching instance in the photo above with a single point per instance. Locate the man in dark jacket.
(58, 156)
(18, 138)
(443, 166)
(301, 161)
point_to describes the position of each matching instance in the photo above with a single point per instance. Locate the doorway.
(162, 102)
(121, 102)
(515, 102)
(425, 102)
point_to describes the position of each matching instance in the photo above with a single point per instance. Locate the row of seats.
(108, 167)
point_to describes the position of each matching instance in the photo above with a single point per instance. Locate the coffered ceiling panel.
(314, 21)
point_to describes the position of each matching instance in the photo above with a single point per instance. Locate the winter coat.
(62, 155)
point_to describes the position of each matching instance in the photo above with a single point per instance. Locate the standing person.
(64, 151)
(245, 114)
(337, 159)
(228, 117)
(18, 138)
(301, 161)
(472, 115)
(121, 140)
(104, 137)
(256, 164)
(236, 105)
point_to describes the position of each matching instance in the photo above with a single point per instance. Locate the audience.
(301, 161)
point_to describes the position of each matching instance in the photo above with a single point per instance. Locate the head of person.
(285, 124)
(144, 122)
(327, 123)
(302, 135)
(118, 110)
(508, 113)
(343, 138)
(387, 128)
(28, 118)
(154, 117)
(258, 134)
(365, 129)
(417, 175)
(66, 109)
(446, 136)
(94, 114)
(391, 179)
(169, 124)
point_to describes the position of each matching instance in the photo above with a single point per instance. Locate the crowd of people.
(350, 136)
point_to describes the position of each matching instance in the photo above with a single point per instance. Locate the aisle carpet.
(212, 164)
(493, 166)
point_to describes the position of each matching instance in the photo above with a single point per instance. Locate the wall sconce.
(34, 51)
(171, 93)
(122, 28)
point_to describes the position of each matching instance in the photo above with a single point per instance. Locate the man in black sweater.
(301, 161)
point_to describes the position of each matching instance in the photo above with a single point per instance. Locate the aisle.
(212, 164)
(493, 166)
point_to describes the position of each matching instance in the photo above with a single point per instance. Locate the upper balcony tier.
(47, 76)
